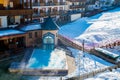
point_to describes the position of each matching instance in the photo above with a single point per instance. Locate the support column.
(23, 4)
(26, 3)
(31, 17)
(23, 18)
(30, 4)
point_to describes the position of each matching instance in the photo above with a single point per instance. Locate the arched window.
(48, 38)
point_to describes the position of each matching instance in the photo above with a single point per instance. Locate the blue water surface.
(40, 58)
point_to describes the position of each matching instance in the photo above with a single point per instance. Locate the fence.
(73, 43)
(93, 73)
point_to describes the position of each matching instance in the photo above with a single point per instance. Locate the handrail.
(73, 43)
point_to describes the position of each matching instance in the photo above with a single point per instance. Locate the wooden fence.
(77, 45)
(93, 73)
(73, 43)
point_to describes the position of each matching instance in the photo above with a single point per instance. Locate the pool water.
(47, 59)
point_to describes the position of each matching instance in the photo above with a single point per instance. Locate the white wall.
(3, 21)
(75, 16)
(17, 19)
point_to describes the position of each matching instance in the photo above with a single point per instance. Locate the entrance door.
(48, 41)
(3, 47)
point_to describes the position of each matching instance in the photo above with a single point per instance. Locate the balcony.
(62, 3)
(55, 3)
(44, 14)
(36, 4)
(16, 12)
(77, 6)
(42, 4)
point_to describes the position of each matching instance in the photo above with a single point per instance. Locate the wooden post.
(23, 4)
(26, 3)
(83, 45)
(30, 4)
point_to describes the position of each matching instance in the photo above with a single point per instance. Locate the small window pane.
(36, 34)
(30, 35)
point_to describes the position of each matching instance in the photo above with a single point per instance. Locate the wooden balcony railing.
(36, 4)
(16, 12)
(42, 4)
(48, 3)
(44, 14)
(77, 6)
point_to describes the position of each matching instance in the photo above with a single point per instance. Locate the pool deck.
(71, 64)
(60, 72)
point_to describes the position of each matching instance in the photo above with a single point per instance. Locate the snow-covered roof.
(8, 32)
(49, 24)
(107, 52)
(31, 27)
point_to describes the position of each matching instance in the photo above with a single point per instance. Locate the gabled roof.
(31, 27)
(9, 32)
(49, 24)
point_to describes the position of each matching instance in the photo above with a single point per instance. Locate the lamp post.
(79, 58)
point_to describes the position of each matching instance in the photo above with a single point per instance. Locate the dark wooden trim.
(16, 12)
(12, 36)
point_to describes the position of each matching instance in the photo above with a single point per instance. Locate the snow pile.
(114, 75)
(57, 60)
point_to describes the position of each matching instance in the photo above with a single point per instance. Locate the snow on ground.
(96, 29)
(88, 63)
(101, 27)
(40, 78)
(107, 75)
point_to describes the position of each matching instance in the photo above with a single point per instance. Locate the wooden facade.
(16, 7)
(33, 38)
(16, 12)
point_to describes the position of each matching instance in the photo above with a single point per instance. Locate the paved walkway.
(71, 64)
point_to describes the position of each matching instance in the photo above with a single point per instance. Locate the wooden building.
(29, 35)
(15, 12)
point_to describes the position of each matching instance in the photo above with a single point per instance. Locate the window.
(30, 35)
(36, 10)
(48, 40)
(36, 34)
(36, 1)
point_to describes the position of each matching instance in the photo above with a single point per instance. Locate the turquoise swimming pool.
(47, 59)
(40, 58)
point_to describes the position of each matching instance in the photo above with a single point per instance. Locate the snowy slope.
(101, 27)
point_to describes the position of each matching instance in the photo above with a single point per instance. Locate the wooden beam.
(16, 12)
